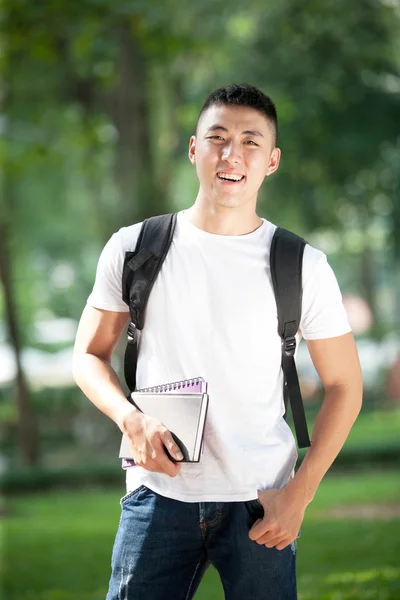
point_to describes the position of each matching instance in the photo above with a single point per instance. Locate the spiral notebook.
(182, 407)
(197, 385)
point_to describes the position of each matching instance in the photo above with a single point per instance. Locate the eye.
(251, 142)
(215, 137)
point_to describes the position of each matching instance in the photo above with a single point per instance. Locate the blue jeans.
(163, 548)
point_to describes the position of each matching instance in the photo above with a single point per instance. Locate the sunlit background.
(99, 100)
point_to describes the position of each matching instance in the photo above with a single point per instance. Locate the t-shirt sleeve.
(323, 313)
(107, 289)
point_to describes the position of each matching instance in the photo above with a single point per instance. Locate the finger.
(165, 464)
(253, 530)
(171, 445)
(148, 458)
(154, 458)
(272, 542)
(168, 467)
(273, 536)
(283, 544)
(260, 528)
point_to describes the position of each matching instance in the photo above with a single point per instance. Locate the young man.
(212, 313)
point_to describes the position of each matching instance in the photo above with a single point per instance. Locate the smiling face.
(233, 151)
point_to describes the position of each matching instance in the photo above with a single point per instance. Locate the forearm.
(99, 382)
(334, 421)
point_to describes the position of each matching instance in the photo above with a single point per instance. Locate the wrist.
(125, 415)
(299, 492)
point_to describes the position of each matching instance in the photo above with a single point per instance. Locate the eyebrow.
(247, 132)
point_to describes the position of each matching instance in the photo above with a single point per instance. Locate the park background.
(98, 102)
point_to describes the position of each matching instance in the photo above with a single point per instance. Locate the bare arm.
(336, 361)
(97, 337)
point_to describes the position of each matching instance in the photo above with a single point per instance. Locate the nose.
(232, 153)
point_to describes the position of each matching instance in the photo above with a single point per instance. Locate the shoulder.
(314, 261)
(323, 313)
(122, 241)
(107, 289)
(126, 238)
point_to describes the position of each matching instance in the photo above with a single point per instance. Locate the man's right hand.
(151, 442)
(98, 333)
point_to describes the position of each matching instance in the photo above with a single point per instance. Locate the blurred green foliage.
(98, 104)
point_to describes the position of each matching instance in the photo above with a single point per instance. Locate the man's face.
(233, 151)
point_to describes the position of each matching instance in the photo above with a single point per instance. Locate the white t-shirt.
(212, 314)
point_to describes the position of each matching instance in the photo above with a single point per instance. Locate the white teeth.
(230, 177)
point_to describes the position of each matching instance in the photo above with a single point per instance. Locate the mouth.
(230, 178)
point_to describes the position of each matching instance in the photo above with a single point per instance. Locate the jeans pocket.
(255, 505)
(130, 494)
(254, 509)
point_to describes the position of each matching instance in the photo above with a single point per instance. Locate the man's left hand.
(282, 519)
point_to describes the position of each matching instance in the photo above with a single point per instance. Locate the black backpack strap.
(286, 260)
(140, 271)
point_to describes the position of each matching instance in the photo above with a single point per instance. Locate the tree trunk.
(129, 110)
(27, 425)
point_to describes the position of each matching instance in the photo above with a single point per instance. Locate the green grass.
(57, 546)
(375, 427)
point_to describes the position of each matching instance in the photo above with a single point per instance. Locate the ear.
(274, 160)
(192, 149)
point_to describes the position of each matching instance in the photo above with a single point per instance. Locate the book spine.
(199, 442)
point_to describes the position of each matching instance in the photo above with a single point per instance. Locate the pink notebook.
(197, 385)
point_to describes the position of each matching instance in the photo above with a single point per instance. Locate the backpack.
(142, 266)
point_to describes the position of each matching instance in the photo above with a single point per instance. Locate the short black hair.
(244, 95)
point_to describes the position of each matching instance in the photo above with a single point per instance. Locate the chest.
(210, 289)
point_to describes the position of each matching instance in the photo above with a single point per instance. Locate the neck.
(223, 220)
